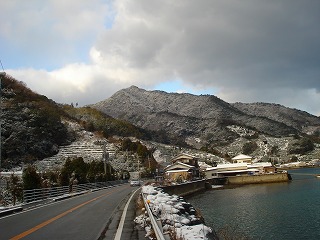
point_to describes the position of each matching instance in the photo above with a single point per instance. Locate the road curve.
(81, 217)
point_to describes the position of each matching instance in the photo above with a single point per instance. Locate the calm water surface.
(267, 211)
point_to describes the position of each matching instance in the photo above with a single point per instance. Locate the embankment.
(188, 188)
(253, 179)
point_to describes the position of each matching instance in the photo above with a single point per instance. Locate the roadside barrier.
(156, 223)
(10, 211)
(41, 194)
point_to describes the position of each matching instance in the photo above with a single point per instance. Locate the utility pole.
(105, 158)
(2, 74)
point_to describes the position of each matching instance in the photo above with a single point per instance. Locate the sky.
(81, 51)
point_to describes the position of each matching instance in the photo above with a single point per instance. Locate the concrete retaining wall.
(184, 189)
(200, 185)
(251, 179)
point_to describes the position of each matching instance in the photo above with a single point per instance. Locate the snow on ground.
(177, 216)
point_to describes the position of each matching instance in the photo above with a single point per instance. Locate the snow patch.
(178, 217)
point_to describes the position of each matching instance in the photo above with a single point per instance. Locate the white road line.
(123, 217)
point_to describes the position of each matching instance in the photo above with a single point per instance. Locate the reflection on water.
(267, 211)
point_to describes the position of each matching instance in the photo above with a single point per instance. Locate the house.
(184, 167)
(180, 172)
(187, 159)
(236, 169)
(241, 158)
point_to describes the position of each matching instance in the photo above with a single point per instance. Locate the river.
(274, 211)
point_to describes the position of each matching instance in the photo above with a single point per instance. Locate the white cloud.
(52, 32)
(65, 20)
(249, 50)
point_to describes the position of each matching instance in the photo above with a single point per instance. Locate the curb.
(10, 211)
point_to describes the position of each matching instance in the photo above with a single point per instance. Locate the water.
(266, 211)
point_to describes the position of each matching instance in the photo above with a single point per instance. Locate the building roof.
(239, 171)
(241, 156)
(182, 156)
(261, 164)
(229, 166)
(176, 171)
(177, 164)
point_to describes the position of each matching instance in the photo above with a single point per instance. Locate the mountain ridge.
(189, 115)
(299, 119)
(34, 127)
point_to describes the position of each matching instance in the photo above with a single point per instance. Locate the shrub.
(301, 146)
(31, 179)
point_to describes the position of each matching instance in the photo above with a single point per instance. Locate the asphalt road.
(82, 217)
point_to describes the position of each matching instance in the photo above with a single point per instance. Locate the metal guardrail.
(156, 224)
(42, 194)
(10, 210)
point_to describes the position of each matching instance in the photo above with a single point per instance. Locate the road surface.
(82, 217)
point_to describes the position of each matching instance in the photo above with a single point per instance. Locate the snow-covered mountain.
(204, 120)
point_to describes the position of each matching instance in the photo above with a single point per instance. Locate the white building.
(242, 168)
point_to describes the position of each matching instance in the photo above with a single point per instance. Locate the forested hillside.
(34, 127)
(31, 124)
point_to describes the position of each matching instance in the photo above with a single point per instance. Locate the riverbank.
(187, 188)
(165, 198)
(178, 219)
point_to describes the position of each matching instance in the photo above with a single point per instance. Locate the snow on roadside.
(177, 216)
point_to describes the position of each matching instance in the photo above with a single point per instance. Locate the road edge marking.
(123, 217)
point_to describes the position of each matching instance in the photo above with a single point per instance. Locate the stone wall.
(265, 178)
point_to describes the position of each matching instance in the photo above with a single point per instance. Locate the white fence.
(41, 194)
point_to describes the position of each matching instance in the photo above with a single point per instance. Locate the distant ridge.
(204, 117)
(298, 119)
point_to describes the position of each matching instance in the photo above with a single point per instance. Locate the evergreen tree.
(31, 179)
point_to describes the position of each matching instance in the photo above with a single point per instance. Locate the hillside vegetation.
(35, 127)
(31, 125)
